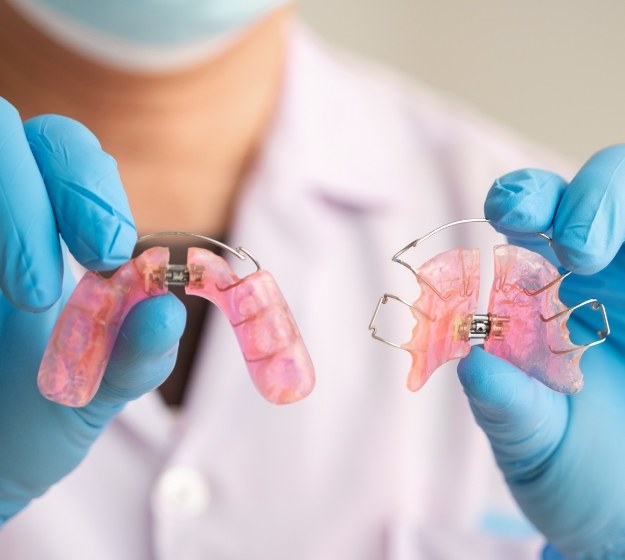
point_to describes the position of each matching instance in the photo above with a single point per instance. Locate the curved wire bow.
(525, 323)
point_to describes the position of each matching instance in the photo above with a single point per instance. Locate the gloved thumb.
(524, 420)
(144, 355)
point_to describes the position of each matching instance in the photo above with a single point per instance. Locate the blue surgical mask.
(145, 34)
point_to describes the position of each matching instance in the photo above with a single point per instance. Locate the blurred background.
(552, 69)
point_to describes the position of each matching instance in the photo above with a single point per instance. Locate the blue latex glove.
(54, 178)
(564, 456)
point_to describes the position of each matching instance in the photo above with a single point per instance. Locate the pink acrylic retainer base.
(449, 288)
(534, 336)
(78, 351)
(525, 323)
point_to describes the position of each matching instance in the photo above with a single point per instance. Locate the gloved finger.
(31, 271)
(524, 201)
(589, 227)
(145, 351)
(524, 420)
(85, 189)
(550, 553)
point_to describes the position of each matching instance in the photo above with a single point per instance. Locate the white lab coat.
(357, 164)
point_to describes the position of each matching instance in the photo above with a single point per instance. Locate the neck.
(183, 141)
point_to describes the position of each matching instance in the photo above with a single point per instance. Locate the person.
(232, 120)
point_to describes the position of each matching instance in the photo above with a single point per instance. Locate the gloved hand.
(54, 178)
(564, 456)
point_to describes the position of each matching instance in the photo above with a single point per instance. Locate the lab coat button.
(182, 491)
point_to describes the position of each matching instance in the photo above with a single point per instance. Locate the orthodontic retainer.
(524, 292)
(82, 340)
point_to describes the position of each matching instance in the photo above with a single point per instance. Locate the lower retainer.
(79, 348)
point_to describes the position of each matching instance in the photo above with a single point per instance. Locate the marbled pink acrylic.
(272, 346)
(540, 347)
(449, 285)
(84, 335)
